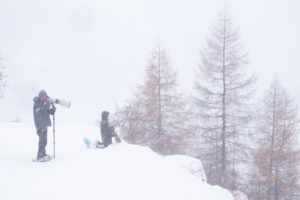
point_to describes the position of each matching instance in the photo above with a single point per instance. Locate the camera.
(63, 103)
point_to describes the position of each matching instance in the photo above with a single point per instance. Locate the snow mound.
(190, 164)
(121, 171)
(239, 195)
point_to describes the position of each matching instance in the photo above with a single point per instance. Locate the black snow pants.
(106, 140)
(42, 133)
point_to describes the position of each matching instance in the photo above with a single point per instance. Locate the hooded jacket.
(41, 113)
(106, 130)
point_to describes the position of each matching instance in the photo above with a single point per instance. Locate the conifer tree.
(223, 89)
(157, 116)
(275, 173)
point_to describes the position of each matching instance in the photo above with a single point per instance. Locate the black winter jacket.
(41, 113)
(106, 129)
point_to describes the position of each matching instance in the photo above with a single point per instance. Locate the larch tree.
(223, 89)
(158, 115)
(275, 174)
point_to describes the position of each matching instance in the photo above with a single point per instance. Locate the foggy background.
(93, 53)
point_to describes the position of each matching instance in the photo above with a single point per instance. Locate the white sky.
(94, 52)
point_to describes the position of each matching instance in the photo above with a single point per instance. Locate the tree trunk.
(224, 112)
(159, 93)
(270, 175)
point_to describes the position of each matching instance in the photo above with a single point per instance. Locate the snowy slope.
(121, 171)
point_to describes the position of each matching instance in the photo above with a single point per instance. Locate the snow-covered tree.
(222, 92)
(275, 173)
(158, 115)
(2, 79)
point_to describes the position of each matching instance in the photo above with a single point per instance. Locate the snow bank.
(121, 171)
(190, 164)
(239, 195)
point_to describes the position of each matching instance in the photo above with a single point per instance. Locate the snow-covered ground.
(121, 171)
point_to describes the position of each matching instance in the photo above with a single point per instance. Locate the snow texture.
(121, 171)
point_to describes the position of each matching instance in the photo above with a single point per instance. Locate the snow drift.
(121, 171)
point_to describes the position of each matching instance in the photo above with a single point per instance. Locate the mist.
(93, 53)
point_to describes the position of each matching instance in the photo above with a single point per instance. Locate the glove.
(53, 110)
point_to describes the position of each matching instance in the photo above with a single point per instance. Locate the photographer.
(42, 110)
(106, 130)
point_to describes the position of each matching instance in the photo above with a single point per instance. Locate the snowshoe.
(96, 144)
(43, 159)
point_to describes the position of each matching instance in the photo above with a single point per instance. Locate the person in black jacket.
(106, 130)
(41, 113)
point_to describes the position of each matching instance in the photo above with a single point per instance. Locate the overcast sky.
(94, 52)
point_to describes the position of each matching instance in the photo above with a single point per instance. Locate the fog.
(93, 53)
